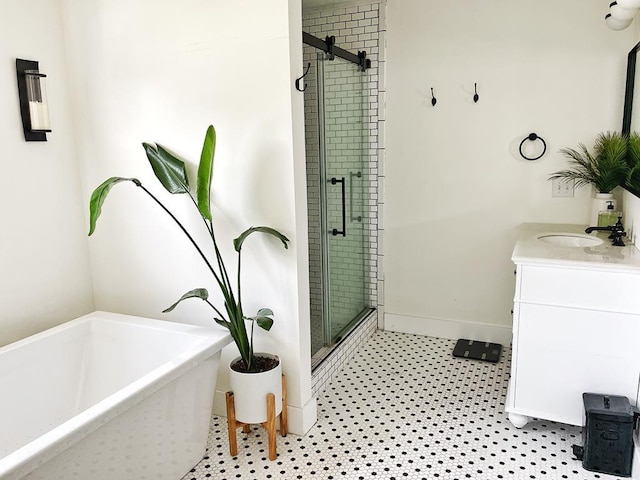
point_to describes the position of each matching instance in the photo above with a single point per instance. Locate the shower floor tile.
(405, 408)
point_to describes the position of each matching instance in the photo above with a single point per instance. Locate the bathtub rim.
(40, 450)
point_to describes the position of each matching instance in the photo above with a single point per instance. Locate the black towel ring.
(533, 137)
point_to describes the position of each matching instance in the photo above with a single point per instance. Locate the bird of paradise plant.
(172, 174)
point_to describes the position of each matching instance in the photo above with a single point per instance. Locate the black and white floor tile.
(405, 408)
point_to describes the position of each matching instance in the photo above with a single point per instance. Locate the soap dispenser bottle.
(599, 204)
(608, 217)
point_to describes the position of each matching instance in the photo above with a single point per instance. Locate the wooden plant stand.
(270, 424)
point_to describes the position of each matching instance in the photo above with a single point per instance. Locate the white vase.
(599, 204)
(250, 391)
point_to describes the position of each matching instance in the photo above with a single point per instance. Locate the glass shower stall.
(336, 123)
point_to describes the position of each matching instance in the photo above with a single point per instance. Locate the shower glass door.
(343, 145)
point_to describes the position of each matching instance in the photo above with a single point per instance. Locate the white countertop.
(531, 251)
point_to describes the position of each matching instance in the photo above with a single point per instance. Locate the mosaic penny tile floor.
(405, 408)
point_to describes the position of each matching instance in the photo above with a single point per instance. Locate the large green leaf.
(205, 173)
(264, 318)
(238, 330)
(237, 243)
(265, 312)
(222, 323)
(264, 322)
(169, 169)
(195, 293)
(98, 197)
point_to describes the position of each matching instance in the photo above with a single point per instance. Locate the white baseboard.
(301, 420)
(220, 403)
(452, 329)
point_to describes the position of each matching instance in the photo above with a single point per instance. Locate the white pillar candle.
(39, 114)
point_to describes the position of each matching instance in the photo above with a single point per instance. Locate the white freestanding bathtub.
(107, 397)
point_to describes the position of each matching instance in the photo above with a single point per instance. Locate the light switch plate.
(561, 188)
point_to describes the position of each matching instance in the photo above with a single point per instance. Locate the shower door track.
(324, 353)
(328, 46)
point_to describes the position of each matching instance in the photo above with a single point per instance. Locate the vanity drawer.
(588, 289)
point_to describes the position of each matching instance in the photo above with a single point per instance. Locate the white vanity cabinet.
(576, 327)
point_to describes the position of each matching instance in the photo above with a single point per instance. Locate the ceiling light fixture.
(621, 13)
(616, 24)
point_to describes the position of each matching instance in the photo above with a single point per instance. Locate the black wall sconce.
(33, 101)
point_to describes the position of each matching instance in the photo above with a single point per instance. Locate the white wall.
(456, 186)
(44, 262)
(163, 71)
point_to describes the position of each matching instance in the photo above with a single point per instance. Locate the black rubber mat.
(475, 350)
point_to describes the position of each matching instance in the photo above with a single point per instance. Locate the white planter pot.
(250, 391)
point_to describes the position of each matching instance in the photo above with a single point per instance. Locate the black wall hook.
(532, 137)
(476, 97)
(433, 99)
(300, 78)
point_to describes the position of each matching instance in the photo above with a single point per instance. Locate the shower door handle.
(335, 231)
(352, 217)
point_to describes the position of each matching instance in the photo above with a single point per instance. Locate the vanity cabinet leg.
(518, 420)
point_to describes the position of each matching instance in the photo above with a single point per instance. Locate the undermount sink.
(569, 239)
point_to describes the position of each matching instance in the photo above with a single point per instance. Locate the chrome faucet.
(617, 232)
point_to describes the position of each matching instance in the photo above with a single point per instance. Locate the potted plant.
(632, 182)
(605, 169)
(172, 174)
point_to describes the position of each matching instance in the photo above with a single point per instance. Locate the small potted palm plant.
(632, 182)
(172, 174)
(605, 168)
